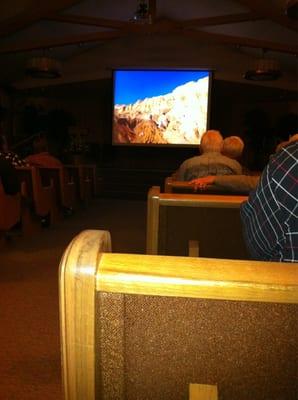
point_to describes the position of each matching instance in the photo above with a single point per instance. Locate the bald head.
(211, 141)
(232, 147)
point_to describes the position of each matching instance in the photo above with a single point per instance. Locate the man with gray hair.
(233, 147)
(210, 162)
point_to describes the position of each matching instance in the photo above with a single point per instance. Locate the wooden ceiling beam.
(123, 26)
(117, 24)
(220, 20)
(88, 21)
(269, 11)
(60, 42)
(33, 14)
(240, 41)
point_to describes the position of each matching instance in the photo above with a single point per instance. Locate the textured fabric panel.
(248, 349)
(109, 353)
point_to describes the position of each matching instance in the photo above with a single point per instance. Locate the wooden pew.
(84, 175)
(64, 185)
(146, 327)
(205, 225)
(10, 211)
(39, 197)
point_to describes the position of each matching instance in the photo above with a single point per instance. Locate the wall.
(90, 105)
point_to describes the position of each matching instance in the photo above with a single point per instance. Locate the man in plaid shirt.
(269, 217)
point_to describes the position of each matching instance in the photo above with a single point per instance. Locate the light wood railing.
(88, 267)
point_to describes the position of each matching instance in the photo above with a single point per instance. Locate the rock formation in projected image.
(178, 117)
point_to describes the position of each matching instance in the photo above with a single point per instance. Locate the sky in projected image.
(130, 86)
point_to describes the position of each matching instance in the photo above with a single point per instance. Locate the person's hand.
(202, 183)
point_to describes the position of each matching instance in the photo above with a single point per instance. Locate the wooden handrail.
(241, 280)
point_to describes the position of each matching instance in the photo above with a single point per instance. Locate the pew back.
(40, 194)
(145, 327)
(84, 176)
(211, 221)
(65, 190)
(171, 185)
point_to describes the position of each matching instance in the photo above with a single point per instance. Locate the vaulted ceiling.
(92, 36)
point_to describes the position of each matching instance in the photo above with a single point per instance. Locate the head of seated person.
(233, 147)
(211, 142)
(210, 162)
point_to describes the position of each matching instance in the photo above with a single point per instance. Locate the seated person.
(42, 157)
(235, 183)
(10, 156)
(269, 216)
(210, 162)
(232, 147)
(8, 177)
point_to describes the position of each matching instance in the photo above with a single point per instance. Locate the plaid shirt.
(269, 216)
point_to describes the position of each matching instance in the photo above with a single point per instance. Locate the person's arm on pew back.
(232, 183)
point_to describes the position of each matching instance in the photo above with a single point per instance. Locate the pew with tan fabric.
(206, 225)
(146, 327)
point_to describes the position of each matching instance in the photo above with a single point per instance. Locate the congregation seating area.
(170, 328)
(189, 316)
(47, 195)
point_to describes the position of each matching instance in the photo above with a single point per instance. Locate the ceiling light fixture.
(263, 69)
(43, 68)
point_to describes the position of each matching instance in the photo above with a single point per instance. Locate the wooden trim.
(168, 185)
(87, 21)
(78, 269)
(152, 220)
(201, 200)
(220, 20)
(193, 248)
(241, 280)
(240, 41)
(202, 392)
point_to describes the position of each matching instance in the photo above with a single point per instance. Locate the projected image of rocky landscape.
(161, 109)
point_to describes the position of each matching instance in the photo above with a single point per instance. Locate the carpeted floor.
(29, 315)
